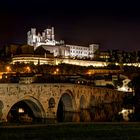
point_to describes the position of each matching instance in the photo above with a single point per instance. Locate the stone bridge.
(46, 100)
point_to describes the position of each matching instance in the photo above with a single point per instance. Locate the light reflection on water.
(126, 113)
(105, 113)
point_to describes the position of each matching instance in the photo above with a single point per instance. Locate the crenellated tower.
(46, 38)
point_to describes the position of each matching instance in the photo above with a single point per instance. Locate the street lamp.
(8, 69)
(28, 69)
(56, 71)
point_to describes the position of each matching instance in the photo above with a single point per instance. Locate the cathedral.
(47, 41)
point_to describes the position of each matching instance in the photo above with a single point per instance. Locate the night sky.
(113, 24)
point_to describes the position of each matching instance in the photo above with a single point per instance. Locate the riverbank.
(72, 131)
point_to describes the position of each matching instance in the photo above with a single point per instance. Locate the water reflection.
(126, 113)
(104, 113)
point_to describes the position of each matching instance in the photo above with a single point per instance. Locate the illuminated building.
(59, 48)
(104, 55)
(82, 51)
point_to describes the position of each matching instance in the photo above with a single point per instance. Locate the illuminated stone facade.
(82, 51)
(47, 38)
(48, 42)
(56, 61)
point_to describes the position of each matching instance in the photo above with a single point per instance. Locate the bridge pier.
(4, 116)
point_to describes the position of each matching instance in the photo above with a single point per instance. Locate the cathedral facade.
(59, 48)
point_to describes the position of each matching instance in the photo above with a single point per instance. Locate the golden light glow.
(57, 70)
(89, 72)
(28, 69)
(8, 68)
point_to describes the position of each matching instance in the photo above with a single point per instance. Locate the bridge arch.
(66, 103)
(28, 108)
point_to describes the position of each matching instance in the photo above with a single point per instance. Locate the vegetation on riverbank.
(82, 131)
